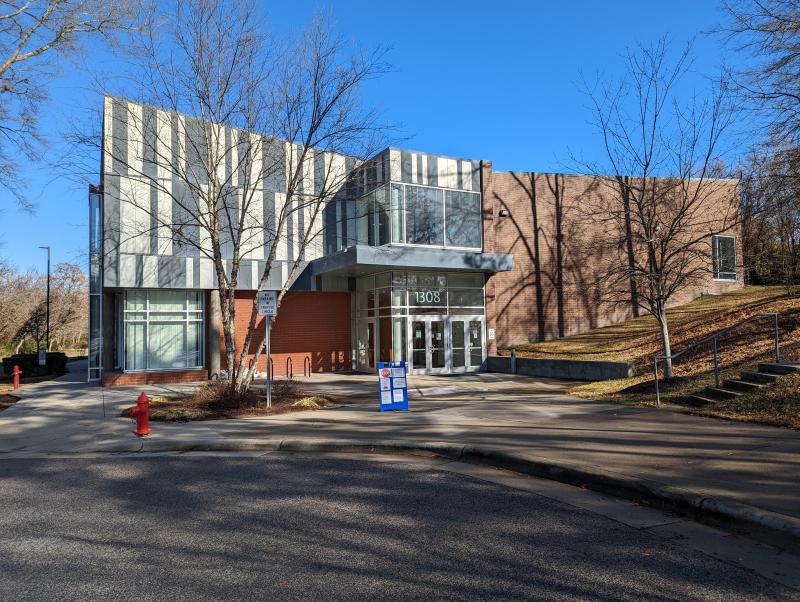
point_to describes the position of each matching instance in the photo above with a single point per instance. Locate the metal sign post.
(268, 307)
(268, 327)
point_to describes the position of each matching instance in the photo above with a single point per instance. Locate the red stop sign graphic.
(385, 372)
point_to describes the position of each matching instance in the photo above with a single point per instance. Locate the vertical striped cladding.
(434, 170)
(146, 220)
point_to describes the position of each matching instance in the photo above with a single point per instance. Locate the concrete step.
(759, 377)
(699, 401)
(742, 385)
(719, 393)
(778, 368)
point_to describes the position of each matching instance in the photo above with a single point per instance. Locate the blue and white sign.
(392, 386)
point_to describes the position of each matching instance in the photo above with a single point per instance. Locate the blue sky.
(498, 81)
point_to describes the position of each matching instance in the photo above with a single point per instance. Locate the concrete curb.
(772, 527)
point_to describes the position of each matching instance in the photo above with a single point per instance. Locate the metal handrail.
(712, 338)
(271, 370)
(307, 359)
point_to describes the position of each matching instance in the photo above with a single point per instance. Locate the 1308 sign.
(428, 297)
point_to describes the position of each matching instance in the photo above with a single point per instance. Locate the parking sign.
(267, 303)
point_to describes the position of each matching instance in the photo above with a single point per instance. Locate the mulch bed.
(6, 401)
(208, 403)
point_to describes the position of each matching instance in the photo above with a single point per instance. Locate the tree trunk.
(665, 344)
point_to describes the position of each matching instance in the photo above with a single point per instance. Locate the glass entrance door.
(445, 344)
(466, 336)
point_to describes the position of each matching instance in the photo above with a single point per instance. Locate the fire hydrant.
(141, 411)
(17, 372)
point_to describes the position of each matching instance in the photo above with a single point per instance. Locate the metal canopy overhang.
(362, 259)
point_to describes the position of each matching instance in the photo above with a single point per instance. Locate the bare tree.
(770, 31)
(771, 215)
(35, 36)
(23, 299)
(69, 308)
(248, 111)
(658, 206)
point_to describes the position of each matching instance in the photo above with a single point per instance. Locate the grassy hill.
(637, 340)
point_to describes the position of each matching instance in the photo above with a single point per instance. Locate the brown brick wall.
(310, 327)
(511, 297)
(123, 379)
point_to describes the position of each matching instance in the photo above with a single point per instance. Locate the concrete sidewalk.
(529, 418)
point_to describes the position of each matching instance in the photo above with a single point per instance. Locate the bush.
(29, 364)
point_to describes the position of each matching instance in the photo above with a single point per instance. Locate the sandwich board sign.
(392, 386)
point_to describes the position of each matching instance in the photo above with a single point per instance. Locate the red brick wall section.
(310, 327)
(511, 297)
(123, 379)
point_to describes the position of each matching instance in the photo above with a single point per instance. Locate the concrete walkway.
(754, 465)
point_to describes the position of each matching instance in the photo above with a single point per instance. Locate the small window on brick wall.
(723, 254)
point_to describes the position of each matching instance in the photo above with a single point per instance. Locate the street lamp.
(47, 336)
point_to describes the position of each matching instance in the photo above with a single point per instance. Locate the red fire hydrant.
(17, 372)
(141, 411)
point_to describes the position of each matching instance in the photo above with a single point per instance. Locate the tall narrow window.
(398, 224)
(723, 255)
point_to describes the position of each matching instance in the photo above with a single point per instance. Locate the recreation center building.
(420, 257)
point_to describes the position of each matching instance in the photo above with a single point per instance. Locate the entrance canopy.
(362, 259)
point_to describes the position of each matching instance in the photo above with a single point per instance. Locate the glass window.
(398, 225)
(424, 216)
(457, 331)
(195, 301)
(466, 297)
(382, 233)
(364, 216)
(166, 345)
(163, 330)
(385, 349)
(437, 344)
(427, 279)
(429, 297)
(384, 297)
(475, 343)
(418, 344)
(467, 280)
(134, 346)
(167, 301)
(723, 252)
(135, 300)
(383, 279)
(399, 339)
(463, 211)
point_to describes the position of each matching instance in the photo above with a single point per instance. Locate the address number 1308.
(428, 297)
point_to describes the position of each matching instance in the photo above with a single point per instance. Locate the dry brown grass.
(637, 341)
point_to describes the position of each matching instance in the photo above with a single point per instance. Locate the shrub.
(29, 364)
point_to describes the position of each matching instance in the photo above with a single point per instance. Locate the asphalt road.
(284, 527)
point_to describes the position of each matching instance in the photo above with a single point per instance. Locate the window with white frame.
(163, 330)
(723, 256)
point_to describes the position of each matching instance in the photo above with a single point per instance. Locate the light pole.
(47, 335)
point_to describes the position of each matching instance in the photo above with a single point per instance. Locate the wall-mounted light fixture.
(504, 213)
